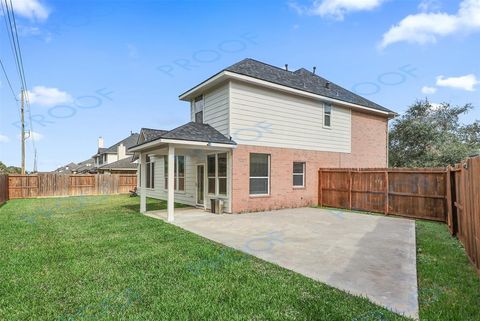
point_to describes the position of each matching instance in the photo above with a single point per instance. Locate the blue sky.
(105, 68)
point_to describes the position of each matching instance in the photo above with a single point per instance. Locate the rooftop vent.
(286, 67)
(327, 85)
(314, 69)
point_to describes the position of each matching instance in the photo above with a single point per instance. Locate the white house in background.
(256, 138)
(116, 158)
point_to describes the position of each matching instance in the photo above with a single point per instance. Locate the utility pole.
(34, 160)
(23, 132)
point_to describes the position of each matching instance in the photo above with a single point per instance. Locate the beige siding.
(216, 109)
(192, 158)
(111, 158)
(159, 192)
(264, 117)
(192, 112)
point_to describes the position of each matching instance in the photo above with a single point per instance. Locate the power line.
(8, 81)
(10, 85)
(13, 53)
(32, 139)
(15, 44)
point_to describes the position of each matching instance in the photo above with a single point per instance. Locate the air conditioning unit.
(216, 205)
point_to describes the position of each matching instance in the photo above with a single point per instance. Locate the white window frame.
(150, 173)
(304, 165)
(325, 105)
(210, 177)
(199, 106)
(269, 158)
(176, 173)
(217, 177)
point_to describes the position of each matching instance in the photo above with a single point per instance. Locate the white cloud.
(46, 96)
(467, 82)
(31, 9)
(429, 5)
(425, 28)
(4, 139)
(428, 90)
(336, 8)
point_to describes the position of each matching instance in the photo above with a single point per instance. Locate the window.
(222, 173)
(217, 173)
(298, 174)
(211, 170)
(199, 117)
(179, 170)
(327, 115)
(150, 168)
(259, 174)
(198, 109)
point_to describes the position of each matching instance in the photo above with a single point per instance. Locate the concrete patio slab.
(366, 255)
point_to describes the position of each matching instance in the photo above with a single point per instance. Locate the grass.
(448, 284)
(97, 258)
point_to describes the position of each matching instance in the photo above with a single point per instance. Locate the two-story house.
(256, 138)
(116, 159)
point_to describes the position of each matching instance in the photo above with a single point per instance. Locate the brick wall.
(369, 149)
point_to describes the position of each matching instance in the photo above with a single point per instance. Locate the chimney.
(286, 67)
(314, 69)
(100, 142)
(327, 85)
(121, 152)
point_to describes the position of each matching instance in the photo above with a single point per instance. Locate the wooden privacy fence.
(416, 193)
(49, 184)
(3, 188)
(464, 212)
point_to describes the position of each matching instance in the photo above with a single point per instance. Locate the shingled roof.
(190, 132)
(300, 79)
(125, 163)
(151, 134)
(127, 142)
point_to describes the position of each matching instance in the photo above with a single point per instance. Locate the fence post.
(448, 196)
(386, 192)
(350, 189)
(320, 198)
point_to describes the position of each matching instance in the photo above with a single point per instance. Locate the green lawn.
(97, 258)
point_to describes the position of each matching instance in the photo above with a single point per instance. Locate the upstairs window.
(327, 115)
(198, 109)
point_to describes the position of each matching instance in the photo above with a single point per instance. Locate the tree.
(432, 135)
(9, 169)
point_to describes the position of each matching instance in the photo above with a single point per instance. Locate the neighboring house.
(116, 158)
(67, 169)
(79, 168)
(123, 166)
(257, 136)
(86, 166)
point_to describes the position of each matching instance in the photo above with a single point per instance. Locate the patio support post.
(143, 182)
(170, 185)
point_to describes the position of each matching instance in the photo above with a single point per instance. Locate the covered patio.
(190, 164)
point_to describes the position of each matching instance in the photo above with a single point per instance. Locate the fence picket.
(50, 184)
